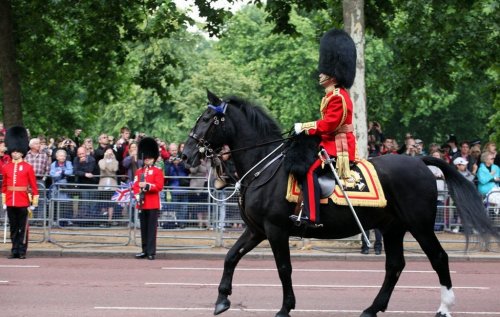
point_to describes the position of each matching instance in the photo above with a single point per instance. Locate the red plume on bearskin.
(148, 148)
(337, 57)
(16, 140)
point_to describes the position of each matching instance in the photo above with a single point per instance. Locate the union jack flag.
(122, 194)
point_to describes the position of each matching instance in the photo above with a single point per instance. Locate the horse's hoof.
(439, 314)
(282, 314)
(222, 306)
(367, 314)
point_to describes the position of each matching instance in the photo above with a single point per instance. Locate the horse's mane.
(258, 118)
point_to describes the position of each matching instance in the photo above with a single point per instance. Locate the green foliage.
(285, 66)
(435, 74)
(70, 56)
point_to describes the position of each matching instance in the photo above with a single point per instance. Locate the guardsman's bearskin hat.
(337, 57)
(16, 140)
(148, 148)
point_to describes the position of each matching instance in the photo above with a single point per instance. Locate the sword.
(27, 227)
(337, 179)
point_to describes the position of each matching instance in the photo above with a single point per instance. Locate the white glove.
(298, 128)
(4, 207)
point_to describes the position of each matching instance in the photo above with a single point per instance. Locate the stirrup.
(300, 220)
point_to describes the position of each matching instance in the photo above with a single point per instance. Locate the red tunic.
(336, 111)
(17, 177)
(155, 179)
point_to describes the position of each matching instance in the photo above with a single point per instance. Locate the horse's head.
(207, 135)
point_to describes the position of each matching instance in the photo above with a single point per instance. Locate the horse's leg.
(245, 243)
(394, 265)
(439, 261)
(278, 239)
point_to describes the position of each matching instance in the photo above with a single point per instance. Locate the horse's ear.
(213, 99)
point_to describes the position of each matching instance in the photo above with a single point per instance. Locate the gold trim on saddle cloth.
(363, 188)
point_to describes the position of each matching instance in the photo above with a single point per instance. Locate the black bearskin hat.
(148, 148)
(16, 140)
(337, 57)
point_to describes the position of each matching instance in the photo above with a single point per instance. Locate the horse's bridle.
(203, 145)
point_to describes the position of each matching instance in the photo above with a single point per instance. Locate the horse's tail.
(468, 201)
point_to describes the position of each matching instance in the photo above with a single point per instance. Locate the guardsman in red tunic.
(19, 190)
(337, 67)
(148, 183)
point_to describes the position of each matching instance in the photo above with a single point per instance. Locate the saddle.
(362, 187)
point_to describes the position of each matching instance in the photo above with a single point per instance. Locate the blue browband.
(220, 108)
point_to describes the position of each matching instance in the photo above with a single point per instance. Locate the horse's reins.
(258, 145)
(237, 186)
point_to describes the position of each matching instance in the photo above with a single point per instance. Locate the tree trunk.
(9, 72)
(354, 23)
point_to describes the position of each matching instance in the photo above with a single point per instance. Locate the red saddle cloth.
(362, 187)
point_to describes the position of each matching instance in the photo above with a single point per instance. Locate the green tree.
(436, 71)
(69, 53)
(285, 66)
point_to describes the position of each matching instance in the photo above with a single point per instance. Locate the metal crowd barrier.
(81, 214)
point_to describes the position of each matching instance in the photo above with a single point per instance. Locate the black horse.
(409, 187)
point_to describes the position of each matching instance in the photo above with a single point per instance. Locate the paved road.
(128, 287)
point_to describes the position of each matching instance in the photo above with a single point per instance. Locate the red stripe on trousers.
(310, 190)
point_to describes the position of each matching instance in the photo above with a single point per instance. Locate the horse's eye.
(205, 119)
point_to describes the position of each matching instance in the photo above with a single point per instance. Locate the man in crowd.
(452, 142)
(18, 181)
(419, 147)
(85, 168)
(388, 147)
(101, 147)
(39, 160)
(121, 150)
(411, 148)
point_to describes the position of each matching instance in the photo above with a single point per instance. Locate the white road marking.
(294, 270)
(315, 286)
(19, 266)
(326, 311)
(4, 282)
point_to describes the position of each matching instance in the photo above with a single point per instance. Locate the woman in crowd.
(491, 148)
(199, 196)
(131, 162)
(488, 176)
(107, 183)
(60, 171)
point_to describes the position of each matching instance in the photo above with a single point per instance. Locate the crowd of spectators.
(476, 162)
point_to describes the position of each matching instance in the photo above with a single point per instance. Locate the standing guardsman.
(148, 184)
(19, 190)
